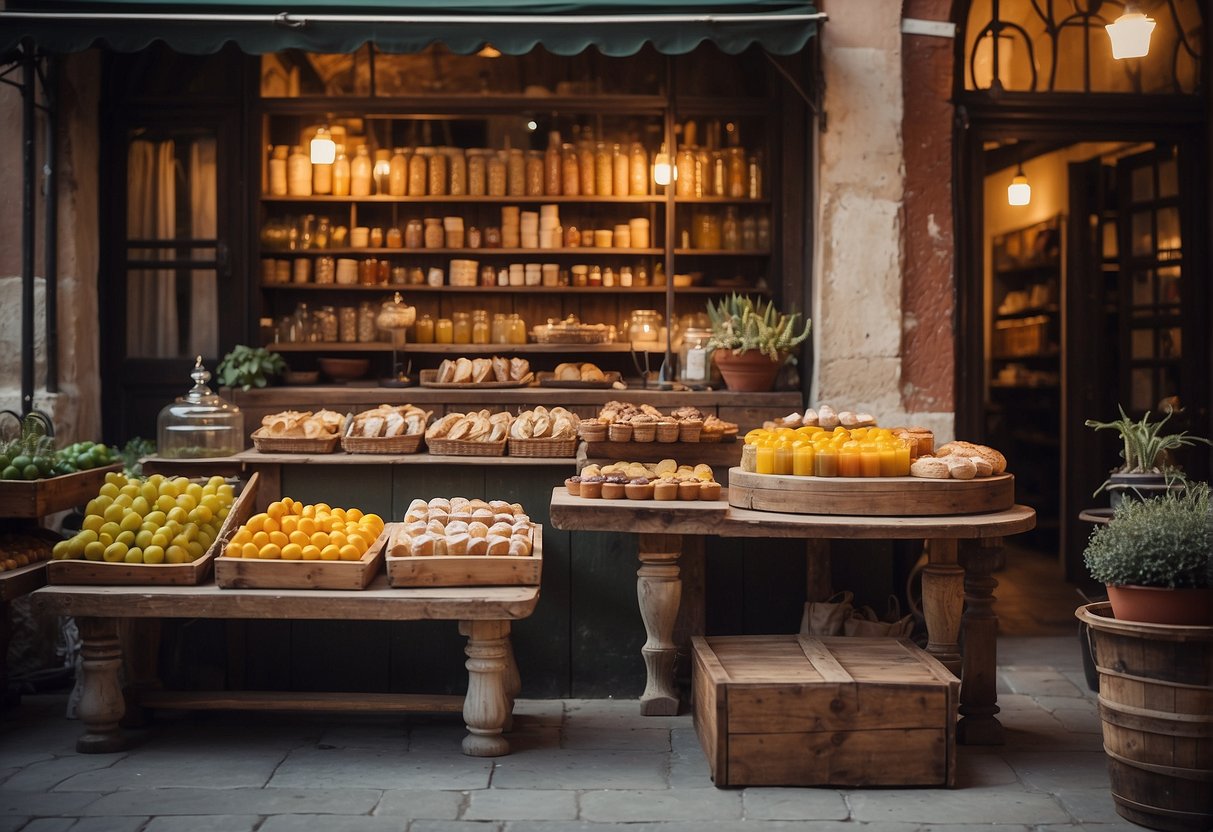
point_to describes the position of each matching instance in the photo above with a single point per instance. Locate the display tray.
(38, 498)
(548, 379)
(870, 496)
(92, 572)
(428, 376)
(293, 444)
(463, 570)
(250, 573)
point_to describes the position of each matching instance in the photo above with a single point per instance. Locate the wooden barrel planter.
(1156, 704)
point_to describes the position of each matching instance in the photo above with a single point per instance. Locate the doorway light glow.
(323, 148)
(1130, 35)
(661, 167)
(1019, 192)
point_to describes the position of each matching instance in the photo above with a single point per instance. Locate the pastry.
(501, 368)
(497, 545)
(592, 373)
(709, 490)
(520, 546)
(639, 489)
(930, 467)
(503, 529)
(665, 489)
(478, 546)
(620, 432)
(567, 372)
(960, 467)
(591, 487)
(998, 462)
(689, 430)
(613, 489)
(688, 490)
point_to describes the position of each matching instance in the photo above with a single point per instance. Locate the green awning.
(614, 27)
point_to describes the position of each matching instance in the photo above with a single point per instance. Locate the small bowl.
(294, 377)
(344, 369)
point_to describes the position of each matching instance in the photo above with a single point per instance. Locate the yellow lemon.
(349, 552)
(275, 510)
(353, 514)
(375, 520)
(310, 553)
(177, 554)
(329, 552)
(95, 550)
(320, 539)
(242, 536)
(109, 490)
(288, 505)
(187, 502)
(161, 539)
(279, 539)
(233, 550)
(114, 513)
(134, 555)
(337, 538)
(115, 552)
(260, 539)
(131, 522)
(270, 552)
(250, 550)
(256, 522)
(61, 549)
(288, 523)
(308, 512)
(300, 538)
(195, 549)
(93, 522)
(153, 554)
(201, 514)
(143, 538)
(306, 525)
(127, 537)
(292, 551)
(271, 525)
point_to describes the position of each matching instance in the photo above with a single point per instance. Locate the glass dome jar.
(695, 357)
(200, 424)
(644, 325)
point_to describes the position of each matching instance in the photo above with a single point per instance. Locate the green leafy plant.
(1163, 542)
(740, 324)
(1146, 446)
(249, 367)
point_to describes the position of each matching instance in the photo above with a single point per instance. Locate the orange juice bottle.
(802, 458)
(783, 457)
(765, 464)
(848, 459)
(901, 450)
(825, 461)
(869, 460)
(888, 459)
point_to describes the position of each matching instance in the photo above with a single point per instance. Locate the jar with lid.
(395, 317)
(619, 167)
(763, 236)
(480, 326)
(737, 173)
(695, 357)
(461, 328)
(366, 321)
(326, 269)
(488, 277)
(475, 237)
(307, 229)
(476, 173)
(444, 331)
(278, 164)
(323, 233)
(298, 173)
(585, 163)
(749, 234)
(626, 279)
(417, 174)
(458, 165)
(496, 175)
(570, 177)
(381, 173)
(642, 275)
(299, 325)
(498, 330)
(705, 231)
(581, 275)
(492, 237)
(435, 236)
(684, 172)
(200, 424)
(347, 324)
(368, 271)
(604, 170)
(572, 236)
(644, 325)
(414, 233)
(375, 237)
(398, 173)
(720, 175)
(515, 172)
(638, 170)
(659, 274)
(534, 173)
(552, 172)
(438, 164)
(324, 325)
(594, 278)
(322, 179)
(393, 238)
(341, 173)
(517, 329)
(424, 330)
(360, 172)
(608, 278)
(730, 231)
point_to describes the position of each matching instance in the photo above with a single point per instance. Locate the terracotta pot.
(747, 372)
(1161, 605)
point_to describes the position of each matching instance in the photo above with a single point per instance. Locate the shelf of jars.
(464, 349)
(582, 251)
(510, 290)
(530, 199)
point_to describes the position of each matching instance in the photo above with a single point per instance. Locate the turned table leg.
(488, 703)
(978, 687)
(659, 591)
(101, 703)
(942, 602)
(513, 682)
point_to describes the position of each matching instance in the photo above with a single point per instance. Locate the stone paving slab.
(40, 804)
(604, 738)
(210, 823)
(374, 769)
(173, 763)
(971, 806)
(562, 769)
(252, 801)
(43, 776)
(794, 804)
(660, 805)
(333, 823)
(515, 804)
(429, 805)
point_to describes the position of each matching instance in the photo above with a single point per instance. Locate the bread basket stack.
(544, 433)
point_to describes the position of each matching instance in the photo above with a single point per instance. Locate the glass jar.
(424, 331)
(570, 178)
(754, 178)
(749, 234)
(347, 324)
(398, 173)
(684, 172)
(552, 172)
(644, 325)
(322, 179)
(498, 332)
(594, 278)
(278, 163)
(393, 238)
(341, 173)
(720, 175)
(572, 236)
(437, 183)
(476, 173)
(604, 170)
(360, 172)
(381, 173)
(534, 173)
(299, 172)
(705, 231)
(461, 328)
(737, 173)
(435, 236)
(366, 321)
(394, 318)
(763, 236)
(417, 174)
(307, 229)
(642, 275)
(458, 164)
(375, 237)
(323, 234)
(730, 230)
(585, 164)
(444, 331)
(199, 424)
(475, 237)
(497, 175)
(638, 170)
(515, 172)
(326, 269)
(619, 169)
(517, 329)
(368, 271)
(414, 234)
(324, 325)
(695, 357)
(480, 326)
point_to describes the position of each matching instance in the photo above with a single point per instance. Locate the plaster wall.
(76, 408)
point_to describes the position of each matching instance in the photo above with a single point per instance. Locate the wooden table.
(484, 615)
(952, 578)
(13, 584)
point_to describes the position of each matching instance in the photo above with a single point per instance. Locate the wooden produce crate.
(465, 570)
(38, 498)
(92, 572)
(250, 573)
(787, 710)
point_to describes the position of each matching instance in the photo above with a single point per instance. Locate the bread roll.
(498, 505)
(478, 529)
(503, 529)
(417, 529)
(446, 372)
(568, 372)
(422, 546)
(457, 544)
(436, 527)
(520, 546)
(497, 545)
(931, 468)
(591, 372)
(478, 546)
(960, 467)
(456, 527)
(984, 469)
(482, 368)
(501, 368)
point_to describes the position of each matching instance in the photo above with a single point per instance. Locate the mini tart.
(573, 484)
(612, 490)
(667, 431)
(709, 490)
(591, 487)
(644, 431)
(688, 490)
(689, 430)
(639, 489)
(620, 432)
(665, 490)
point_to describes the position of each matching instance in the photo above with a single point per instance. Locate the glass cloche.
(200, 424)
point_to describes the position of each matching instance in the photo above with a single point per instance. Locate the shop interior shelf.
(464, 349)
(447, 198)
(721, 252)
(513, 290)
(533, 253)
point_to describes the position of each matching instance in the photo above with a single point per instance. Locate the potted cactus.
(751, 340)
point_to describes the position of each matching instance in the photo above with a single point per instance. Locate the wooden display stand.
(464, 570)
(35, 499)
(255, 573)
(873, 496)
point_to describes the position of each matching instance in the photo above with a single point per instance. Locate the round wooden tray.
(872, 496)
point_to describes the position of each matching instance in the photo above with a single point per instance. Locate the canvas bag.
(827, 618)
(865, 622)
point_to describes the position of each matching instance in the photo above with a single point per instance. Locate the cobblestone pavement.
(577, 764)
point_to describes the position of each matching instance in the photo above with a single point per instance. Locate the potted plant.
(751, 340)
(1147, 466)
(249, 367)
(1154, 557)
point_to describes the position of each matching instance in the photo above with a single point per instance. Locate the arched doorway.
(1094, 292)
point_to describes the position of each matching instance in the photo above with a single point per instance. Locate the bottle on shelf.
(322, 178)
(570, 175)
(457, 163)
(730, 231)
(418, 176)
(638, 170)
(684, 172)
(278, 164)
(438, 165)
(480, 326)
(341, 173)
(424, 331)
(361, 172)
(552, 165)
(299, 172)
(398, 173)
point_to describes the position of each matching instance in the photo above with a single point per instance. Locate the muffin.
(591, 487)
(665, 489)
(709, 490)
(644, 429)
(613, 487)
(710, 434)
(688, 490)
(573, 484)
(620, 432)
(592, 430)
(640, 488)
(667, 431)
(689, 430)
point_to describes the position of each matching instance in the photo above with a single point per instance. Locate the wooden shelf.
(410, 107)
(462, 349)
(534, 253)
(721, 200)
(473, 200)
(1029, 312)
(492, 290)
(721, 252)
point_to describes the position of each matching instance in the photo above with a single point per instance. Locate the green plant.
(740, 324)
(1162, 542)
(249, 367)
(1146, 446)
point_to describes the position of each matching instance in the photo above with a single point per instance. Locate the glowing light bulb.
(1130, 35)
(1019, 192)
(661, 167)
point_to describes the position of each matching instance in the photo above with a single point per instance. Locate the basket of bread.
(575, 374)
(543, 432)
(387, 429)
(299, 432)
(469, 434)
(497, 371)
(665, 480)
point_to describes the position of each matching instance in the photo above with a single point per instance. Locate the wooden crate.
(92, 572)
(787, 710)
(467, 570)
(870, 496)
(250, 573)
(38, 498)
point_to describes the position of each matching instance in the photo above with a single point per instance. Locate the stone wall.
(76, 409)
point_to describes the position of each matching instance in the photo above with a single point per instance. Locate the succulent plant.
(740, 323)
(1146, 447)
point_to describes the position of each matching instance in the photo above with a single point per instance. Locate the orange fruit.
(288, 505)
(300, 538)
(242, 536)
(374, 520)
(306, 525)
(353, 514)
(288, 523)
(337, 539)
(270, 552)
(233, 550)
(308, 511)
(256, 522)
(292, 551)
(275, 510)
(320, 539)
(330, 552)
(250, 550)
(271, 525)
(310, 553)
(279, 539)
(260, 539)
(350, 552)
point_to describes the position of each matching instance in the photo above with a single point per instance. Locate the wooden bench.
(484, 615)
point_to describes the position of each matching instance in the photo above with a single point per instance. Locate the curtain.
(151, 298)
(204, 289)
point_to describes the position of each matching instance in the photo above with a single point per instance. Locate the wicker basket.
(644, 432)
(620, 432)
(293, 444)
(690, 430)
(710, 436)
(667, 432)
(592, 433)
(543, 447)
(408, 444)
(465, 447)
